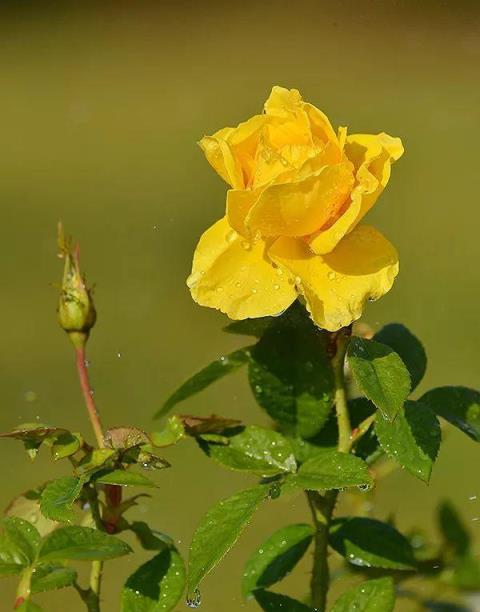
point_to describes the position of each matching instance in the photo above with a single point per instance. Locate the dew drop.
(86, 363)
(274, 492)
(364, 487)
(193, 279)
(230, 237)
(194, 600)
(332, 275)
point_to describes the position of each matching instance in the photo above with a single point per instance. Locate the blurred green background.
(101, 106)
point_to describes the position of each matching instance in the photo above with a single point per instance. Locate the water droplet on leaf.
(194, 600)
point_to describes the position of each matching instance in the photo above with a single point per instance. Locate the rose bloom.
(299, 191)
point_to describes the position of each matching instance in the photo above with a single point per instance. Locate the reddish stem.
(88, 395)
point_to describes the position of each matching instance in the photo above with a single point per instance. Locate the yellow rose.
(298, 192)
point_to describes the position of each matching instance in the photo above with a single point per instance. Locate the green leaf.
(274, 602)
(23, 537)
(218, 531)
(156, 585)
(291, 376)
(453, 529)
(380, 374)
(203, 379)
(276, 557)
(149, 538)
(255, 449)
(56, 502)
(370, 543)
(49, 577)
(33, 435)
(250, 327)
(12, 561)
(370, 596)
(81, 544)
(125, 478)
(459, 406)
(172, 432)
(333, 470)
(146, 457)
(407, 346)
(64, 444)
(412, 440)
(96, 460)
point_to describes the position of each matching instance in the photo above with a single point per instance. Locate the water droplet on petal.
(230, 237)
(193, 279)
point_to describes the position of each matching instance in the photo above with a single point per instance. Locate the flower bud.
(76, 311)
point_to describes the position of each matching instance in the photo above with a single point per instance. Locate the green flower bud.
(76, 311)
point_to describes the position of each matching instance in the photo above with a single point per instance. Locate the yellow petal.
(239, 203)
(320, 125)
(282, 101)
(233, 276)
(232, 151)
(301, 207)
(336, 286)
(372, 156)
(220, 156)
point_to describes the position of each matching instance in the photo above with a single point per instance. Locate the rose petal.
(237, 277)
(372, 156)
(301, 207)
(336, 286)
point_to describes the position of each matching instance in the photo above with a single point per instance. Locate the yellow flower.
(298, 193)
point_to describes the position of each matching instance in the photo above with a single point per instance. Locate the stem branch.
(322, 509)
(322, 506)
(92, 599)
(88, 395)
(341, 405)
